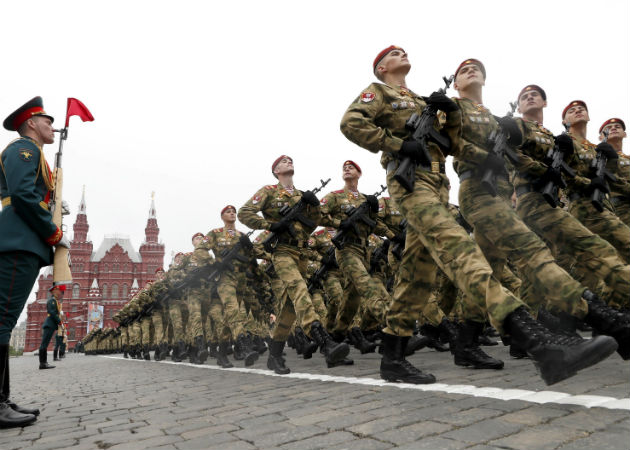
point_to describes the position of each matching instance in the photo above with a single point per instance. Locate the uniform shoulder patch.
(367, 97)
(269, 187)
(25, 154)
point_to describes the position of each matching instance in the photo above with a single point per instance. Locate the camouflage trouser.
(317, 296)
(135, 335)
(594, 257)
(434, 237)
(215, 313)
(229, 287)
(198, 302)
(334, 291)
(500, 233)
(291, 268)
(124, 335)
(622, 210)
(365, 292)
(158, 325)
(606, 224)
(178, 314)
(147, 332)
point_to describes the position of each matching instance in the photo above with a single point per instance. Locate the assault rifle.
(356, 215)
(555, 161)
(422, 130)
(320, 274)
(498, 144)
(291, 214)
(599, 170)
(379, 254)
(398, 247)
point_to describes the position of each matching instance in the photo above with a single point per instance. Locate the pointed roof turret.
(152, 208)
(82, 204)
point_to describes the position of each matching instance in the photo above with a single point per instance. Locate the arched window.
(105, 294)
(125, 292)
(76, 289)
(114, 291)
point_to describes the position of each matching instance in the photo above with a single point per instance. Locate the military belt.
(524, 189)
(6, 201)
(618, 200)
(436, 167)
(292, 242)
(467, 174)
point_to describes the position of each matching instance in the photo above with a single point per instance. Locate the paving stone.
(484, 431)
(541, 437)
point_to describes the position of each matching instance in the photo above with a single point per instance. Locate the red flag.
(76, 108)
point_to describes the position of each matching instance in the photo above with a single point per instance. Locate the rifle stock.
(61, 262)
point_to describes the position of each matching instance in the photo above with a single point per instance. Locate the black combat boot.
(179, 352)
(416, 342)
(303, 344)
(125, 354)
(55, 353)
(222, 359)
(275, 361)
(556, 356)
(192, 354)
(467, 351)
(333, 351)
(449, 330)
(244, 342)
(517, 353)
(338, 336)
(343, 362)
(43, 363)
(394, 366)
(146, 353)
(433, 333)
(202, 349)
(608, 321)
(485, 338)
(549, 320)
(213, 349)
(259, 344)
(157, 355)
(238, 351)
(360, 342)
(164, 350)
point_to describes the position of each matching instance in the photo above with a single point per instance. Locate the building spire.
(82, 204)
(152, 208)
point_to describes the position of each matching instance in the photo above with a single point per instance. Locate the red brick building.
(108, 276)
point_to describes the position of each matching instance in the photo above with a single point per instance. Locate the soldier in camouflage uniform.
(619, 192)
(231, 285)
(376, 121)
(604, 223)
(290, 261)
(177, 308)
(593, 255)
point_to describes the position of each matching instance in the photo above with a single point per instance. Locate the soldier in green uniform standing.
(376, 121)
(27, 232)
(289, 261)
(619, 195)
(51, 324)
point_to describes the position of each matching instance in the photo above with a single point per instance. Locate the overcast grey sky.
(195, 99)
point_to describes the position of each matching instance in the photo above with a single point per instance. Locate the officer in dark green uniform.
(27, 232)
(53, 319)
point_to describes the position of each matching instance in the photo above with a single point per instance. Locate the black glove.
(345, 225)
(399, 239)
(310, 198)
(442, 102)
(278, 227)
(373, 202)
(494, 163)
(565, 144)
(509, 126)
(607, 150)
(245, 242)
(413, 150)
(599, 183)
(555, 176)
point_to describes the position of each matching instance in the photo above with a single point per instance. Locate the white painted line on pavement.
(541, 397)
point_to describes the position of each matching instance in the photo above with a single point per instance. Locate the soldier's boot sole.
(395, 373)
(251, 358)
(336, 353)
(343, 362)
(556, 362)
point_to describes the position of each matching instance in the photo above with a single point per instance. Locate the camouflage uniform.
(288, 259)
(619, 196)
(376, 122)
(593, 255)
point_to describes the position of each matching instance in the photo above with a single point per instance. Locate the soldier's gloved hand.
(607, 150)
(509, 126)
(565, 144)
(345, 225)
(64, 242)
(310, 198)
(555, 176)
(245, 242)
(599, 183)
(373, 202)
(278, 227)
(413, 150)
(494, 163)
(442, 102)
(65, 208)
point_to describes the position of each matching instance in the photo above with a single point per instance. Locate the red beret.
(384, 53)
(159, 269)
(571, 105)
(275, 163)
(199, 233)
(613, 120)
(228, 207)
(533, 87)
(61, 287)
(352, 163)
(472, 61)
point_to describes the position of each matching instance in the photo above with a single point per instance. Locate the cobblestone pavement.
(98, 402)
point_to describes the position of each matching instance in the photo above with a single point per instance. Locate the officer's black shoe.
(333, 351)
(360, 342)
(303, 344)
(449, 331)
(433, 333)
(259, 344)
(467, 351)
(10, 418)
(202, 349)
(556, 356)
(415, 343)
(213, 349)
(43, 363)
(609, 321)
(343, 362)
(275, 361)
(21, 409)
(222, 359)
(517, 353)
(146, 353)
(244, 342)
(394, 366)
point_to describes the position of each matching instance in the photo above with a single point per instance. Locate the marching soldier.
(52, 322)
(619, 196)
(290, 261)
